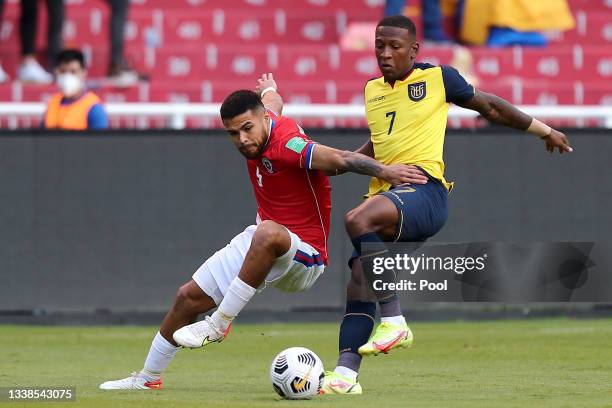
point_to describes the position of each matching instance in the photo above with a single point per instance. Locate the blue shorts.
(422, 208)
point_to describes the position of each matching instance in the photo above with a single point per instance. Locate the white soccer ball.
(297, 373)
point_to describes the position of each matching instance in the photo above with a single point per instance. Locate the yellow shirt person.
(407, 121)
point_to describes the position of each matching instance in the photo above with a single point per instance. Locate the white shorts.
(295, 271)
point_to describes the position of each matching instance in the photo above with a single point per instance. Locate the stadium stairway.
(199, 50)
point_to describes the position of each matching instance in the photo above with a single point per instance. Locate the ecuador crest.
(417, 91)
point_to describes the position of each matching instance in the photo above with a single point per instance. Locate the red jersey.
(287, 190)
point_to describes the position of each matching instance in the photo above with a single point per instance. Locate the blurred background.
(106, 225)
(542, 53)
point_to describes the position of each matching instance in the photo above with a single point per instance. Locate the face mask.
(69, 84)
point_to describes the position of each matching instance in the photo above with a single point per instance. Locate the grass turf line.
(531, 363)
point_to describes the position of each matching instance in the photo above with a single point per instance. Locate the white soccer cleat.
(3, 75)
(30, 71)
(135, 382)
(200, 334)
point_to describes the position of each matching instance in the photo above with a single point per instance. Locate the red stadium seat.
(199, 50)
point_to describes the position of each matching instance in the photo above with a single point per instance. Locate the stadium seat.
(198, 51)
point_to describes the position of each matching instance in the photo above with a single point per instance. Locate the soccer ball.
(297, 373)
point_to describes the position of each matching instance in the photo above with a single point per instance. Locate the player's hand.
(398, 174)
(266, 81)
(558, 140)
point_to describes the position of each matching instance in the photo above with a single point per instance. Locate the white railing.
(177, 113)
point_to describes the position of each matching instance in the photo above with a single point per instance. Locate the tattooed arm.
(498, 110)
(337, 161)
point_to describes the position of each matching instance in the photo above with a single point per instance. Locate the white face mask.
(69, 84)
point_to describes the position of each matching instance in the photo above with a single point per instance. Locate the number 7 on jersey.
(392, 114)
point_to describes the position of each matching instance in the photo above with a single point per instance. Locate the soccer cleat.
(335, 383)
(135, 382)
(388, 336)
(200, 334)
(3, 75)
(30, 71)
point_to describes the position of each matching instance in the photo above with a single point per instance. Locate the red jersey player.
(286, 249)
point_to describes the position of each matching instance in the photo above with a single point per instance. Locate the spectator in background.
(432, 18)
(30, 70)
(119, 71)
(74, 107)
(511, 22)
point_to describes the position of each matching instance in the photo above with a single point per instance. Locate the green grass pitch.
(530, 363)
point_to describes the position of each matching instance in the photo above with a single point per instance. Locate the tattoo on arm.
(361, 164)
(498, 110)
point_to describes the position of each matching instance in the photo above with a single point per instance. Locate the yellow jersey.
(407, 121)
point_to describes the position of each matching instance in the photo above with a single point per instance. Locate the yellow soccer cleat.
(388, 336)
(335, 383)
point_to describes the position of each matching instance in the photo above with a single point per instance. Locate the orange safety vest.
(71, 116)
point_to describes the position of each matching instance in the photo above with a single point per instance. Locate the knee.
(185, 300)
(270, 235)
(356, 223)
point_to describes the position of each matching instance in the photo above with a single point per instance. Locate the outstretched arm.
(336, 161)
(268, 90)
(498, 110)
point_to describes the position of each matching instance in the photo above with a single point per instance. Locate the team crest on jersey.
(267, 164)
(417, 91)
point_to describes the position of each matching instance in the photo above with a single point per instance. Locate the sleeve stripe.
(309, 150)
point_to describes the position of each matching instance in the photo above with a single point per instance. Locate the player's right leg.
(370, 225)
(421, 212)
(266, 244)
(378, 219)
(190, 301)
(355, 329)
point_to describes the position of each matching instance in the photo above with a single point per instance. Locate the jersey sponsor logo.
(417, 91)
(267, 165)
(376, 99)
(297, 144)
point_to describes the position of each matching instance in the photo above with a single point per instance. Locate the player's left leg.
(189, 302)
(270, 242)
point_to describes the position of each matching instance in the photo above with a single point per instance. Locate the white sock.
(347, 372)
(160, 355)
(237, 296)
(399, 320)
